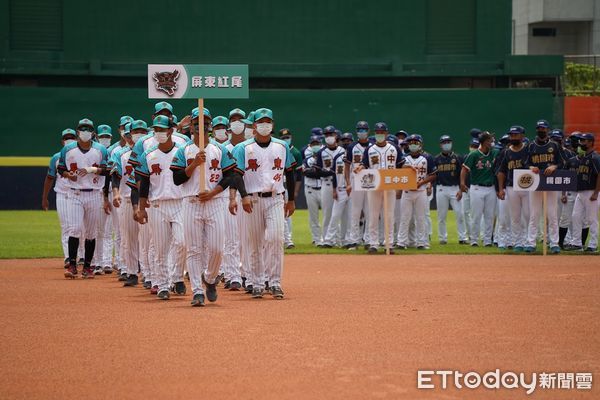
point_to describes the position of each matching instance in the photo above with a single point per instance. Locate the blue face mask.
(315, 148)
(288, 141)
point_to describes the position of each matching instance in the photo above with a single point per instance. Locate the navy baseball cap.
(392, 139)
(586, 136)
(381, 126)
(557, 133)
(362, 126)
(474, 142)
(516, 130)
(542, 123)
(329, 129)
(338, 133)
(475, 132)
(445, 138)
(504, 139)
(415, 138)
(402, 132)
(314, 139)
(316, 131)
(347, 135)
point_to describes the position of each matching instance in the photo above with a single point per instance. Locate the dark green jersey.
(481, 167)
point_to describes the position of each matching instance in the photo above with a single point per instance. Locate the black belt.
(490, 185)
(83, 190)
(266, 194)
(448, 185)
(314, 188)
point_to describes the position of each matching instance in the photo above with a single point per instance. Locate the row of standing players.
(478, 186)
(149, 182)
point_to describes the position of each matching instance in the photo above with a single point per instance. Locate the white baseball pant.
(585, 212)
(536, 211)
(359, 204)
(326, 202)
(83, 214)
(129, 234)
(313, 202)
(230, 264)
(339, 217)
(518, 201)
(565, 215)
(446, 197)
(483, 204)
(375, 199)
(61, 209)
(414, 204)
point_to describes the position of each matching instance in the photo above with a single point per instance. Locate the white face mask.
(414, 148)
(315, 148)
(362, 135)
(264, 128)
(237, 127)
(380, 137)
(104, 142)
(330, 140)
(220, 134)
(85, 136)
(136, 136)
(161, 137)
(248, 133)
(69, 141)
(446, 147)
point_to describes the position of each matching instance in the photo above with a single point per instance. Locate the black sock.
(73, 247)
(562, 233)
(584, 235)
(90, 246)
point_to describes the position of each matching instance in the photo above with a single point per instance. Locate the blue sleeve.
(62, 160)
(227, 159)
(239, 154)
(349, 151)
(431, 168)
(52, 166)
(365, 158)
(399, 158)
(320, 158)
(117, 168)
(179, 161)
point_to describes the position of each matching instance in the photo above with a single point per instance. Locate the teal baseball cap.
(139, 124)
(220, 120)
(163, 105)
(195, 113)
(237, 111)
(161, 121)
(263, 113)
(104, 130)
(125, 119)
(85, 122)
(250, 119)
(67, 132)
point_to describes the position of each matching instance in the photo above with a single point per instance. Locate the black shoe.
(211, 290)
(179, 288)
(163, 295)
(462, 242)
(257, 293)
(590, 250)
(227, 285)
(132, 280)
(198, 300)
(235, 286)
(244, 282)
(249, 289)
(267, 288)
(122, 277)
(372, 250)
(147, 285)
(489, 245)
(327, 246)
(276, 292)
(420, 247)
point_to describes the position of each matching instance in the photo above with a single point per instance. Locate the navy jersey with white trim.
(448, 169)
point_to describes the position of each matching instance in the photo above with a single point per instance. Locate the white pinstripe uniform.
(84, 194)
(387, 156)
(230, 265)
(129, 228)
(415, 202)
(358, 198)
(164, 214)
(325, 158)
(263, 170)
(204, 222)
(337, 233)
(61, 190)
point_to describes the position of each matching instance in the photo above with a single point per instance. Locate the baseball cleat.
(327, 246)
(147, 285)
(108, 270)
(276, 292)
(87, 273)
(198, 300)
(98, 270)
(227, 284)
(179, 288)
(474, 244)
(529, 249)
(462, 242)
(154, 290)
(257, 293)
(163, 295)
(372, 250)
(555, 250)
(66, 263)
(518, 249)
(71, 272)
(290, 246)
(211, 290)
(122, 277)
(590, 250)
(501, 248)
(132, 280)
(235, 286)
(249, 289)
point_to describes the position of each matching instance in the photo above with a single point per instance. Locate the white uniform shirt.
(424, 165)
(73, 158)
(156, 164)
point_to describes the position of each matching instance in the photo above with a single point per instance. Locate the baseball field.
(351, 326)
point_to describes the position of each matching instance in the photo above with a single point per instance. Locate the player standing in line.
(306, 151)
(586, 203)
(286, 136)
(449, 165)
(515, 157)
(358, 199)
(68, 136)
(121, 173)
(381, 155)
(502, 232)
(567, 198)
(203, 212)
(159, 193)
(312, 189)
(337, 234)
(81, 164)
(466, 197)
(325, 170)
(263, 161)
(479, 167)
(544, 157)
(415, 202)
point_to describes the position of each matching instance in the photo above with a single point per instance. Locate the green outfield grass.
(36, 234)
(24, 161)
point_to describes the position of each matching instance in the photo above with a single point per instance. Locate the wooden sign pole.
(386, 224)
(201, 143)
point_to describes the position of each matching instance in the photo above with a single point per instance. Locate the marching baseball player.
(586, 203)
(82, 163)
(381, 155)
(263, 161)
(286, 136)
(479, 167)
(325, 169)
(68, 136)
(514, 157)
(162, 197)
(312, 188)
(415, 202)
(358, 199)
(545, 157)
(203, 212)
(449, 165)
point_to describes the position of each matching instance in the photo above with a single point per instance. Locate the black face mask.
(541, 134)
(515, 142)
(583, 147)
